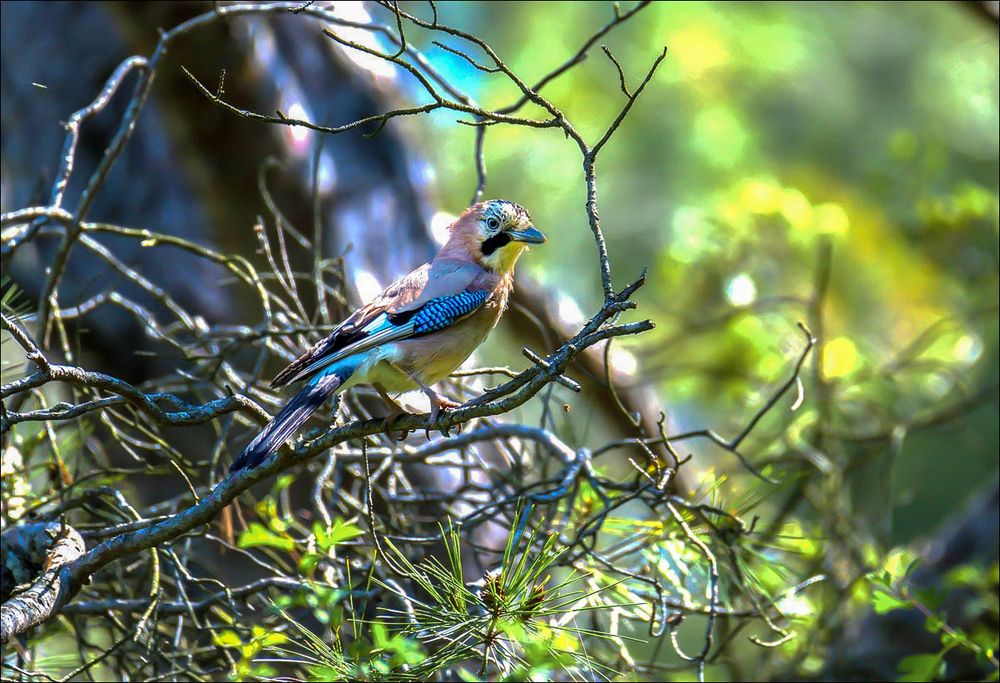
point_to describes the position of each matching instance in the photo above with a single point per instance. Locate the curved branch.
(50, 589)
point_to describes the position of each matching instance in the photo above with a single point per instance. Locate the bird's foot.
(439, 405)
(389, 420)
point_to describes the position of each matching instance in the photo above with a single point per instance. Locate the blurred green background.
(770, 129)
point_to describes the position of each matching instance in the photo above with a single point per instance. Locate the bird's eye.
(493, 224)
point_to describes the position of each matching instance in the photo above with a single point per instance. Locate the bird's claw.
(389, 420)
(440, 405)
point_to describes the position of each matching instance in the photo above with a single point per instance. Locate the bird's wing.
(428, 299)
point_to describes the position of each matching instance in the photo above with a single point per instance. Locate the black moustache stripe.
(501, 239)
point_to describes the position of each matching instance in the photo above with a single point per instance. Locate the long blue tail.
(295, 412)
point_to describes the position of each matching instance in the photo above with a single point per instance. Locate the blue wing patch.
(437, 314)
(440, 312)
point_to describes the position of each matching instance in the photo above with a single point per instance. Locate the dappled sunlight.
(839, 357)
(440, 222)
(367, 285)
(356, 12)
(697, 50)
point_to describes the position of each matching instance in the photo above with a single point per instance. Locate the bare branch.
(22, 610)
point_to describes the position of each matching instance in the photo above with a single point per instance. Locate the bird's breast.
(433, 357)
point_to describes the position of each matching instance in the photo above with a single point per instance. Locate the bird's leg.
(438, 402)
(396, 412)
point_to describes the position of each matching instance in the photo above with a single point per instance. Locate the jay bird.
(417, 331)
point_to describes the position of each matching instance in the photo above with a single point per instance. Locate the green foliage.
(892, 590)
(771, 131)
(260, 639)
(13, 302)
(514, 621)
(259, 535)
(921, 667)
(369, 656)
(509, 622)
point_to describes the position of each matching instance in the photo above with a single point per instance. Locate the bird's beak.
(529, 235)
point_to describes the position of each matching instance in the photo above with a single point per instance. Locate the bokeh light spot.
(367, 284)
(831, 219)
(840, 358)
(440, 223)
(569, 310)
(741, 290)
(760, 196)
(719, 137)
(623, 361)
(968, 348)
(796, 209)
(298, 134)
(696, 50)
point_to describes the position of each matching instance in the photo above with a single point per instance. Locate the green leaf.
(307, 565)
(343, 531)
(933, 623)
(919, 667)
(227, 639)
(882, 580)
(259, 535)
(273, 638)
(955, 637)
(339, 532)
(380, 635)
(282, 482)
(900, 562)
(264, 671)
(267, 508)
(884, 603)
(964, 576)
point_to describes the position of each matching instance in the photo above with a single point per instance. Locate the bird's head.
(495, 233)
